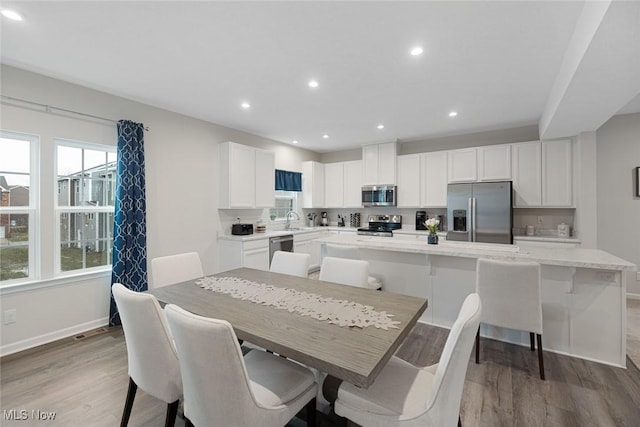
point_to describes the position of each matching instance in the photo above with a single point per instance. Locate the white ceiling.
(494, 62)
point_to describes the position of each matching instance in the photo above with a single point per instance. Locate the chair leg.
(188, 423)
(533, 346)
(540, 361)
(478, 345)
(128, 404)
(172, 412)
(311, 413)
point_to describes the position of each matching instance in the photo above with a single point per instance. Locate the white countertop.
(550, 239)
(274, 233)
(568, 257)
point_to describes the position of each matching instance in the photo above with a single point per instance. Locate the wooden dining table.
(352, 354)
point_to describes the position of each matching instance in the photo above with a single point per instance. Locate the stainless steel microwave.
(379, 195)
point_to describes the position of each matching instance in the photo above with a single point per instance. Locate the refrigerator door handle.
(471, 218)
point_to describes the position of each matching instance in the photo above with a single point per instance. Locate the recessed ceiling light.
(380, 126)
(294, 141)
(11, 14)
(416, 51)
(313, 83)
(453, 114)
(325, 136)
(245, 105)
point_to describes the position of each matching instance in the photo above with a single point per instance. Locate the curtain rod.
(50, 108)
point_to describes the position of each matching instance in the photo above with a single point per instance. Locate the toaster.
(241, 229)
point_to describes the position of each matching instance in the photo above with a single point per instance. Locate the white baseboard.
(633, 296)
(5, 350)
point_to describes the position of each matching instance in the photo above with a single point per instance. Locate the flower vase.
(432, 239)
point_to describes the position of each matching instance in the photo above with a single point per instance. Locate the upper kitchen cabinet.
(312, 185)
(557, 173)
(433, 179)
(408, 195)
(353, 184)
(334, 185)
(542, 174)
(247, 177)
(343, 184)
(379, 164)
(527, 174)
(462, 165)
(494, 163)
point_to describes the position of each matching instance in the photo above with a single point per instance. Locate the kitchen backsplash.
(544, 220)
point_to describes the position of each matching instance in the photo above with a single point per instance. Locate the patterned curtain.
(130, 227)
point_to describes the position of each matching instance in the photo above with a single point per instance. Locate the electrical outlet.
(606, 276)
(10, 316)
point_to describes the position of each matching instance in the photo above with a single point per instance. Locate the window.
(285, 202)
(18, 198)
(85, 180)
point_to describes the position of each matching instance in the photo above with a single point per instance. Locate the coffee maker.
(324, 219)
(421, 217)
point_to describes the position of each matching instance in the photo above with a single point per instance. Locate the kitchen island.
(583, 290)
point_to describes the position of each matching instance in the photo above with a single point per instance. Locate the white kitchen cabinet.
(353, 184)
(243, 183)
(334, 185)
(306, 243)
(312, 185)
(408, 167)
(251, 253)
(265, 179)
(433, 179)
(542, 174)
(494, 163)
(462, 165)
(527, 174)
(256, 258)
(557, 173)
(379, 164)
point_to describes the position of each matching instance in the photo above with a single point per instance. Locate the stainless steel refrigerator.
(480, 212)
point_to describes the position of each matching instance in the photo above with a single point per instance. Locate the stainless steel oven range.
(382, 225)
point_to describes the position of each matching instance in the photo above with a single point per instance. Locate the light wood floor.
(85, 382)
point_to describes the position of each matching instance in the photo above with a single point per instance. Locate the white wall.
(181, 176)
(618, 153)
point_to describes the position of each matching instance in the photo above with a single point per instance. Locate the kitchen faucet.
(288, 217)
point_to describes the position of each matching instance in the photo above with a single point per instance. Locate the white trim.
(52, 336)
(84, 276)
(564, 353)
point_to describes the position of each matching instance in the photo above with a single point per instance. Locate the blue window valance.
(288, 181)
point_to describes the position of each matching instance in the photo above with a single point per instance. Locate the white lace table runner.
(334, 311)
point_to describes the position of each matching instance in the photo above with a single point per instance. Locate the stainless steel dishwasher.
(280, 243)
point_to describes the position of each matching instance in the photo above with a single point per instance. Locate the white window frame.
(71, 210)
(34, 203)
(289, 195)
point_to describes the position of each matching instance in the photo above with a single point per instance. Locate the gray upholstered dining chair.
(408, 395)
(345, 271)
(153, 362)
(511, 295)
(350, 252)
(221, 388)
(295, 264)
(171, 269)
